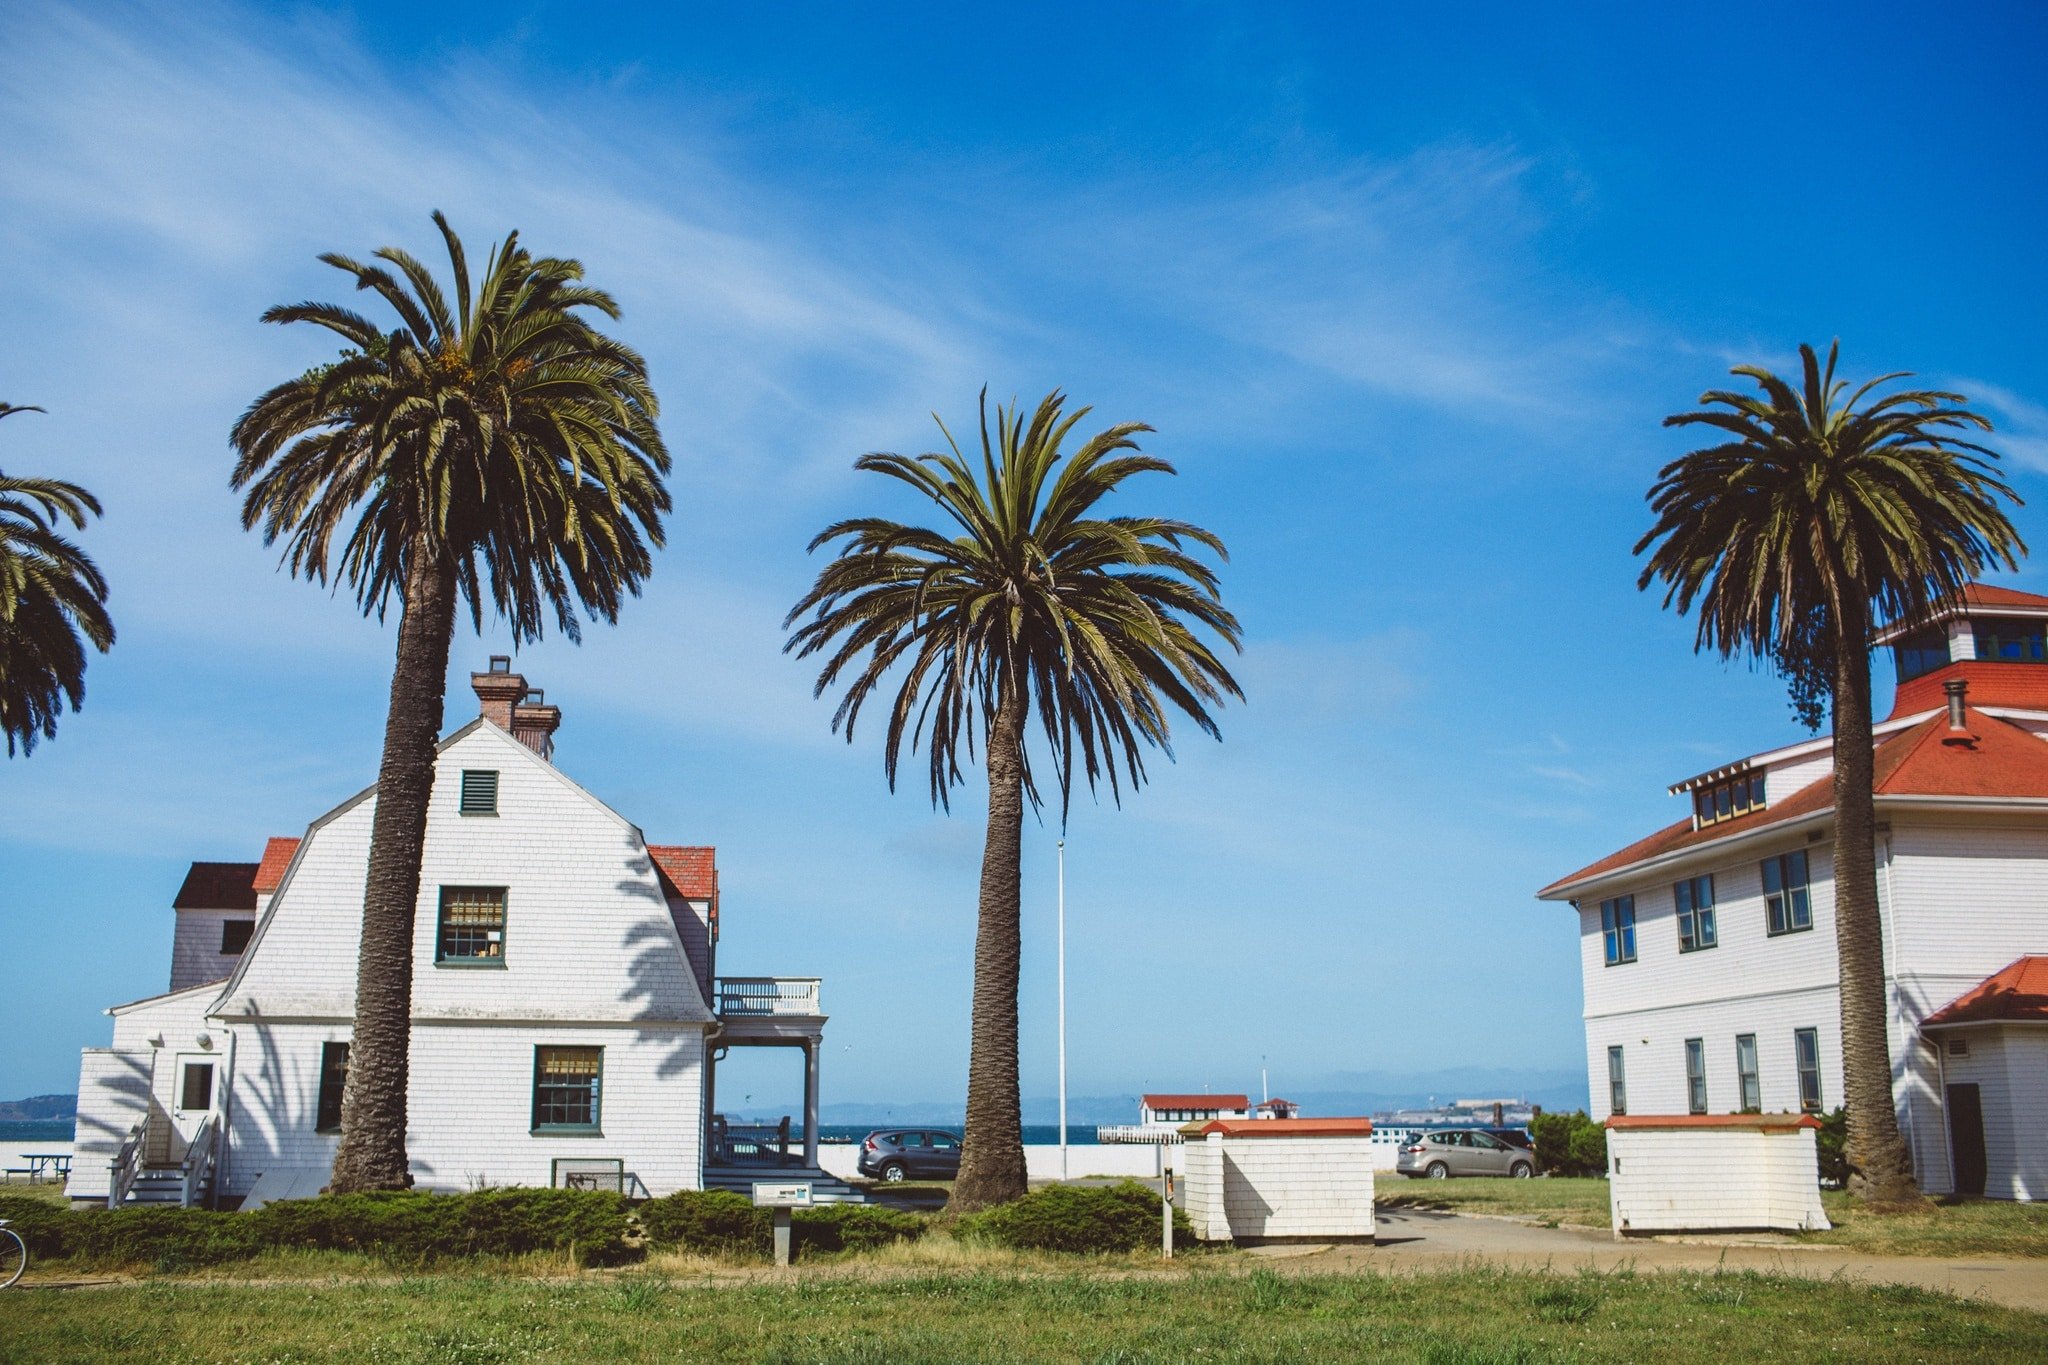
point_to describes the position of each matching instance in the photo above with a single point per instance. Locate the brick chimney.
(499, 690)
(534, 723)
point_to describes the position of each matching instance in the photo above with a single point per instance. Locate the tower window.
(1921, 652)
(2012, 641)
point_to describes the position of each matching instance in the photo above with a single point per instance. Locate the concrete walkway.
(1412, 1240)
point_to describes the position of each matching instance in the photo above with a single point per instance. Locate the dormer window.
(2010, 641)
(1728, 798)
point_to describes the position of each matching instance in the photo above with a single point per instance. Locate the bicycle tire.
(13, 1257)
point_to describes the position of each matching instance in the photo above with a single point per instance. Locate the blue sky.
(1405, 294)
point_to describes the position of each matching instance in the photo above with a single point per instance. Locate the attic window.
(234, 935)
(1728, 798)
(479, 791)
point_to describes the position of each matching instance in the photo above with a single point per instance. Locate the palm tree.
(505, 453)
(1813, 519)
(53, 601)
(1026, 600)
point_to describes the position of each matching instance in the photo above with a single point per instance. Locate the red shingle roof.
(1992, 759)
(1766, 1123)
(2019, 991)
(218, 886)
(277, 856)
(1985, 595)
(687, 872)
(1199, 1102)
(2021, 686)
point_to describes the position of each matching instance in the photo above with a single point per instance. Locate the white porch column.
(811, 1102)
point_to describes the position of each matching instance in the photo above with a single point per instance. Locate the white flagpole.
(1063, 1009)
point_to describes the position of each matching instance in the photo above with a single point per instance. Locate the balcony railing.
(767, 996)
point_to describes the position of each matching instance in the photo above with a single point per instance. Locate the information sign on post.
(782, 1196)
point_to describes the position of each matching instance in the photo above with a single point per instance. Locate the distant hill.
(38, 1108)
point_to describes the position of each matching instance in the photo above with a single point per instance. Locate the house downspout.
(712, 1033)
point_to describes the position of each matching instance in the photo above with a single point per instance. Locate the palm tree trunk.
(992, 1154)
(373, 1106)
(1881, 1168)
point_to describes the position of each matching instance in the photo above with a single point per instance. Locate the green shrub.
(41, 1225)
(714, 1222)
(855, 1227)
(1832, 1142)
(1115, 1218)
(1569, 1144)
(407, 1227)
(721, 1222)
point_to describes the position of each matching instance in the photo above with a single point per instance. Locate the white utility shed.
(1280, 1180)
(1713, 1173)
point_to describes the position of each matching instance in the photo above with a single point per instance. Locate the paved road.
(1415, 1241)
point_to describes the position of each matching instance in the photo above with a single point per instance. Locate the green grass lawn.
(1471, 1315)
(50, 1192)
(1565, 1200)
(1980, 1227)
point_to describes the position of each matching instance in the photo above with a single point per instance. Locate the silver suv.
(1463, 1151)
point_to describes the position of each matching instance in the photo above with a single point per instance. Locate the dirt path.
(1414, 1241)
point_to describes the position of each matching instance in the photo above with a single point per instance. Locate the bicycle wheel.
(13, 1257)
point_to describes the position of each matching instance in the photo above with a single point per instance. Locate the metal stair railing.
(197, 1168)
(126, 1166)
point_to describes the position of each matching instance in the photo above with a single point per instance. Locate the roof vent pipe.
(1956, 689)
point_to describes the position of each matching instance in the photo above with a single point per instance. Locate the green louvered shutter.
(479, 791)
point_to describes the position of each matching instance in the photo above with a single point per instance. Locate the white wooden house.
(566, 1012)
(1708, 948)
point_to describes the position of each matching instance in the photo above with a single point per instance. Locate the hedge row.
(1077, 1218)
(720, 1222)
(406, 1227)
(418, 1228)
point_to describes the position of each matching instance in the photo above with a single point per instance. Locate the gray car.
(1462, 1151)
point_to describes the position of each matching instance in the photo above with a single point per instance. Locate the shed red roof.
(1198, 1102)
(277, 856)
(1767, 1123)
(1992, 759)
(2016, 992)
(218, 886)
(687, 872)
(1280, 1128)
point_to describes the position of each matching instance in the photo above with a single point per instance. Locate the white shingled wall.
(1706, 1179)
(195, 946)
(1256, 1188)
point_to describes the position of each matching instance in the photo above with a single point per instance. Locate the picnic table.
(47, 1165)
